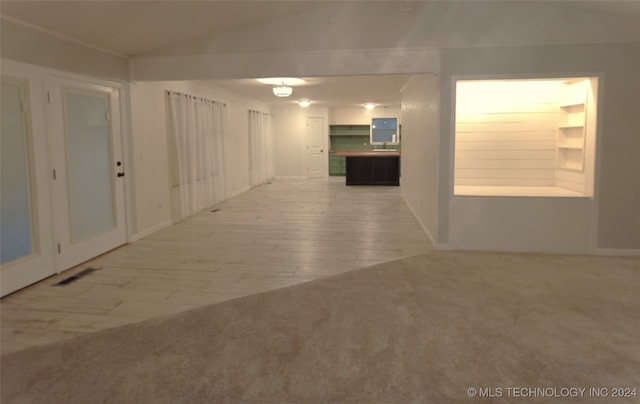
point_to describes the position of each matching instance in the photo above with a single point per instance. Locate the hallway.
(272, 236)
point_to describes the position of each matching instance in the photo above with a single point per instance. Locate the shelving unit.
(349, 130)
(571, 127)
(349, 137)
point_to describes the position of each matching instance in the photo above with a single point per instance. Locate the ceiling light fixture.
(282, 91)
(369, 105)
(304, 103)
(276, 81)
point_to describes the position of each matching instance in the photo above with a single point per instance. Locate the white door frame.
(323, 147)
(40, 264)
(73, 253)
(45, 261)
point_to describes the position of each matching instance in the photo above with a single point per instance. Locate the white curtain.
(261, 148)
(198, 129)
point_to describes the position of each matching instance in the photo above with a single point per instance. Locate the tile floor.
(275, 235)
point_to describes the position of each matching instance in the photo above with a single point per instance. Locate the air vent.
(75, 277)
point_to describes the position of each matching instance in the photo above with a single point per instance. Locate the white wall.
(608, 221)
(28, 45)
(419, 173)
(506, 133)
(290, 125)
(521, 224)
(151, 148)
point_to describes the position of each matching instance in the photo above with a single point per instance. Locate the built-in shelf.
(571, 127)
(570, 147)
(570, 166)
(349, 130)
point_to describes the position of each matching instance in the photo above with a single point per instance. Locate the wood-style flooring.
(272, 236)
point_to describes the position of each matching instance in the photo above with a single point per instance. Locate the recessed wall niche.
(533, 137)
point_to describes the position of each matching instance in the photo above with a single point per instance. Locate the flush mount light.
(282, 91)
(276, 81)
(304, 103)
(369, 105)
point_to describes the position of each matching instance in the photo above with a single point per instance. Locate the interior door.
(316, 160)
(88, 188)
(26, 245)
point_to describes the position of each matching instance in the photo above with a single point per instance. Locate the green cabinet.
(337, 165)
(349, 130)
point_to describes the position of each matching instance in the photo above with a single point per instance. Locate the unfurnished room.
(320, 201)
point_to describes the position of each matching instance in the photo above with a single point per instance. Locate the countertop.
(366, 153)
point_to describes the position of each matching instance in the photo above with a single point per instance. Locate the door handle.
(120, 174)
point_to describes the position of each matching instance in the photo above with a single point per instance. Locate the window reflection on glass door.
(16, 234)
(26, 236)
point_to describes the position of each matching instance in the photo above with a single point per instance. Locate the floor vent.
(75, 277)
(215, 210)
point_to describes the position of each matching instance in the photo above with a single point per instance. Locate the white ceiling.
(130, 28)
(346, 91)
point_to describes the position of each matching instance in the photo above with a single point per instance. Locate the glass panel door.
(16, 223)
(89, 165)
(26, 237)
(86, 141)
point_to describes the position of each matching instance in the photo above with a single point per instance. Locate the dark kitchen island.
(368, 167)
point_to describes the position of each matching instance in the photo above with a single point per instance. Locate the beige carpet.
(422, 329)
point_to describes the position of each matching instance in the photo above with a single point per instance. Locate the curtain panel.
(261, 148)
(198, 128)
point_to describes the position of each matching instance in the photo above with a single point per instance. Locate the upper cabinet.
(349, 130)
(360, 115)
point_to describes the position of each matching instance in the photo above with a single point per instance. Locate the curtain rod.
(169, 92)
(260, 112)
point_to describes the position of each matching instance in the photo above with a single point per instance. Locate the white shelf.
(570, 147)
(570, 158)
(571, 167)
(571, 128)
(539, 191)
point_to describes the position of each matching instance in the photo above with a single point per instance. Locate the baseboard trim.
(286, 177)
(426, 231)
(245, 189)
(150, 230)
(618, 251)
